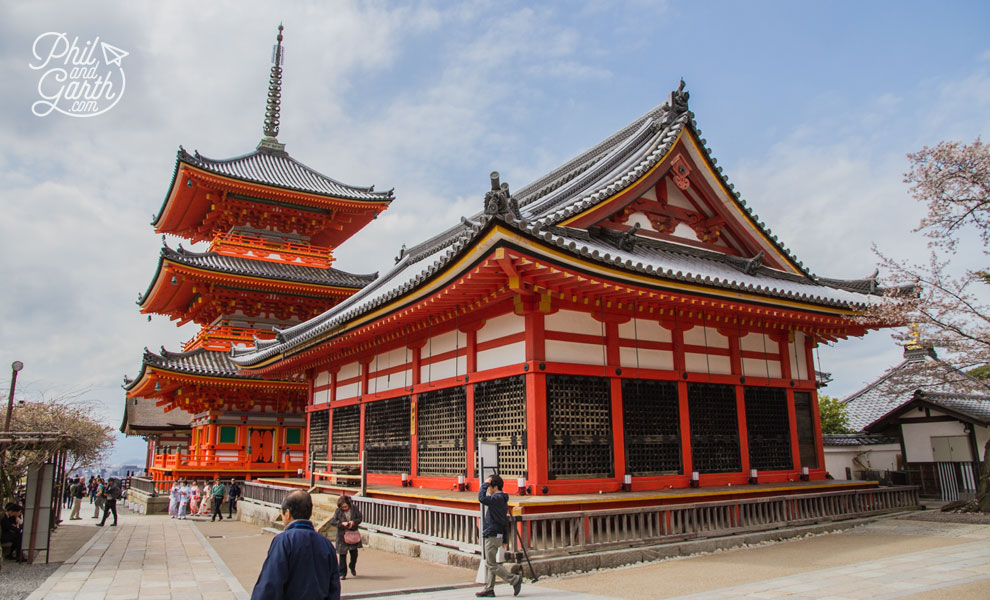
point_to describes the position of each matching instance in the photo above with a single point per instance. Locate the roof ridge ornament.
(500, 203)
(677, 104)
(273, 106)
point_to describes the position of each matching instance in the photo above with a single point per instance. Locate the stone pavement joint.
(144, 557)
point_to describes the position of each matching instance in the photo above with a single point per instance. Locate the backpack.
(115, 492)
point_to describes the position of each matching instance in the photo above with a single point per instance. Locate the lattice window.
(651, 421)
(714, 428)
(579, 423)
(805, 413)
(500, 418)
(441, 421)
(386, 435)
(768, 429)
(345, 439)
(319, 435)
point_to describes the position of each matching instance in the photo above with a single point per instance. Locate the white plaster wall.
(644, 329)
(569, 352)
(321, 396)
(918, 438)
(390, 382)
(322, 378)
(648, 359)
(573, 322)
(348, 391)
(349, 370)
(684, 230)
(982, 435)
(705, 336)
(392, 358)
(881, 457)
(642, 220)
(797, 354)
(754, 342)
(675, 197)
(443, 369)
(755, 367)
(445, 342)
(501, 326)
(716, 365)
(501, 356)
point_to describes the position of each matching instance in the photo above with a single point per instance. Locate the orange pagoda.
(272, 224)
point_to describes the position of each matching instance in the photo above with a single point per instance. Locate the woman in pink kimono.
(194, 501)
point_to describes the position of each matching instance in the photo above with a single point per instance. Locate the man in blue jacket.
(495, 532)
(301, 563)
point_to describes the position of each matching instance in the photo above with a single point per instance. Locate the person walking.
(219, 490)
(346, 519)
(173, 499)
(495, 533)
(111, 494)
(78, 493)
(93, 484)
(100, 500)
(196, 500)
(206, 501)
(233, 493)
(67, 491)
(184, 493)
(301, 564)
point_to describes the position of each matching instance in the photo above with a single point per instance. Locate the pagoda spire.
(270, 129)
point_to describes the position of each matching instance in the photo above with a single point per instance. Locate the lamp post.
(15, 367)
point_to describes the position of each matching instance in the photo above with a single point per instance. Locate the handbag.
(352, 538)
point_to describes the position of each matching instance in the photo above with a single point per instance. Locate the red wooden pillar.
(613, 360)
(783, 340)
(413, 435)
(537, 454)
(330, 402)
(816, 414)
(685, 417)
(743, 430)
(471, 360)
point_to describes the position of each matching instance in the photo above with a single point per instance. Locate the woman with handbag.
(346, 518)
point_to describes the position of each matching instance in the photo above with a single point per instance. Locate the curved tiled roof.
(276, 168)
(141, 415)
(977, 407)
(201, 361)
(856, 439)
(578, 185)
(279, 271)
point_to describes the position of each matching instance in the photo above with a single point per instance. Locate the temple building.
(624, 319)
(271, 225)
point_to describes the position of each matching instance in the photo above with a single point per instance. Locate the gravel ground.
(949, 517)
(18, 580)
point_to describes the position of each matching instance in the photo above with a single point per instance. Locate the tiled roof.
(576, 186)
(278, 169)
(856, 439)
(976, 407)
(278, 271)
(141, 415)
(201, 361)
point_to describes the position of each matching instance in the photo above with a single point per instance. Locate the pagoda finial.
(274, 103)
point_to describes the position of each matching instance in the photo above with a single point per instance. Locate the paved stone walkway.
(144, 557)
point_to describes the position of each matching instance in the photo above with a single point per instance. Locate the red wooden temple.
(271, 225)
(626, 317)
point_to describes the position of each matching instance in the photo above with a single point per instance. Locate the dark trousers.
(343, 560)
(111, 506)
(217, 505)
(15, 545)
(231, 506)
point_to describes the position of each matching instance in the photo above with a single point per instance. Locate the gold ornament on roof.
(915, 342)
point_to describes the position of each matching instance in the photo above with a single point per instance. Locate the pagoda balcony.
(209, 462)
(224, 337)
(260, 248)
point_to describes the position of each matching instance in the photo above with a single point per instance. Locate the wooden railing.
(263, 493)
(437, 525)
(259, 248)
(328, 473)
(202, 460)
(151, 487)
(555, 534)
(222, 337)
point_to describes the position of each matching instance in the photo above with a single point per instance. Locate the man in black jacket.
(10, 530)
(112, 494)
(495, 533)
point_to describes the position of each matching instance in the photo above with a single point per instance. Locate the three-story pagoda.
(272, 224)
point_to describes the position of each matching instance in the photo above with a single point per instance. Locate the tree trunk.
(983, 491)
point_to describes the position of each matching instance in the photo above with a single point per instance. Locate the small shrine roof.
(537, 211)
(276, 168)
(200, 361)
(141, 416)
(899, 385)
(857, 439)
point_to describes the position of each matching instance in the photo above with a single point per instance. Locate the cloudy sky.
(809, 107)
